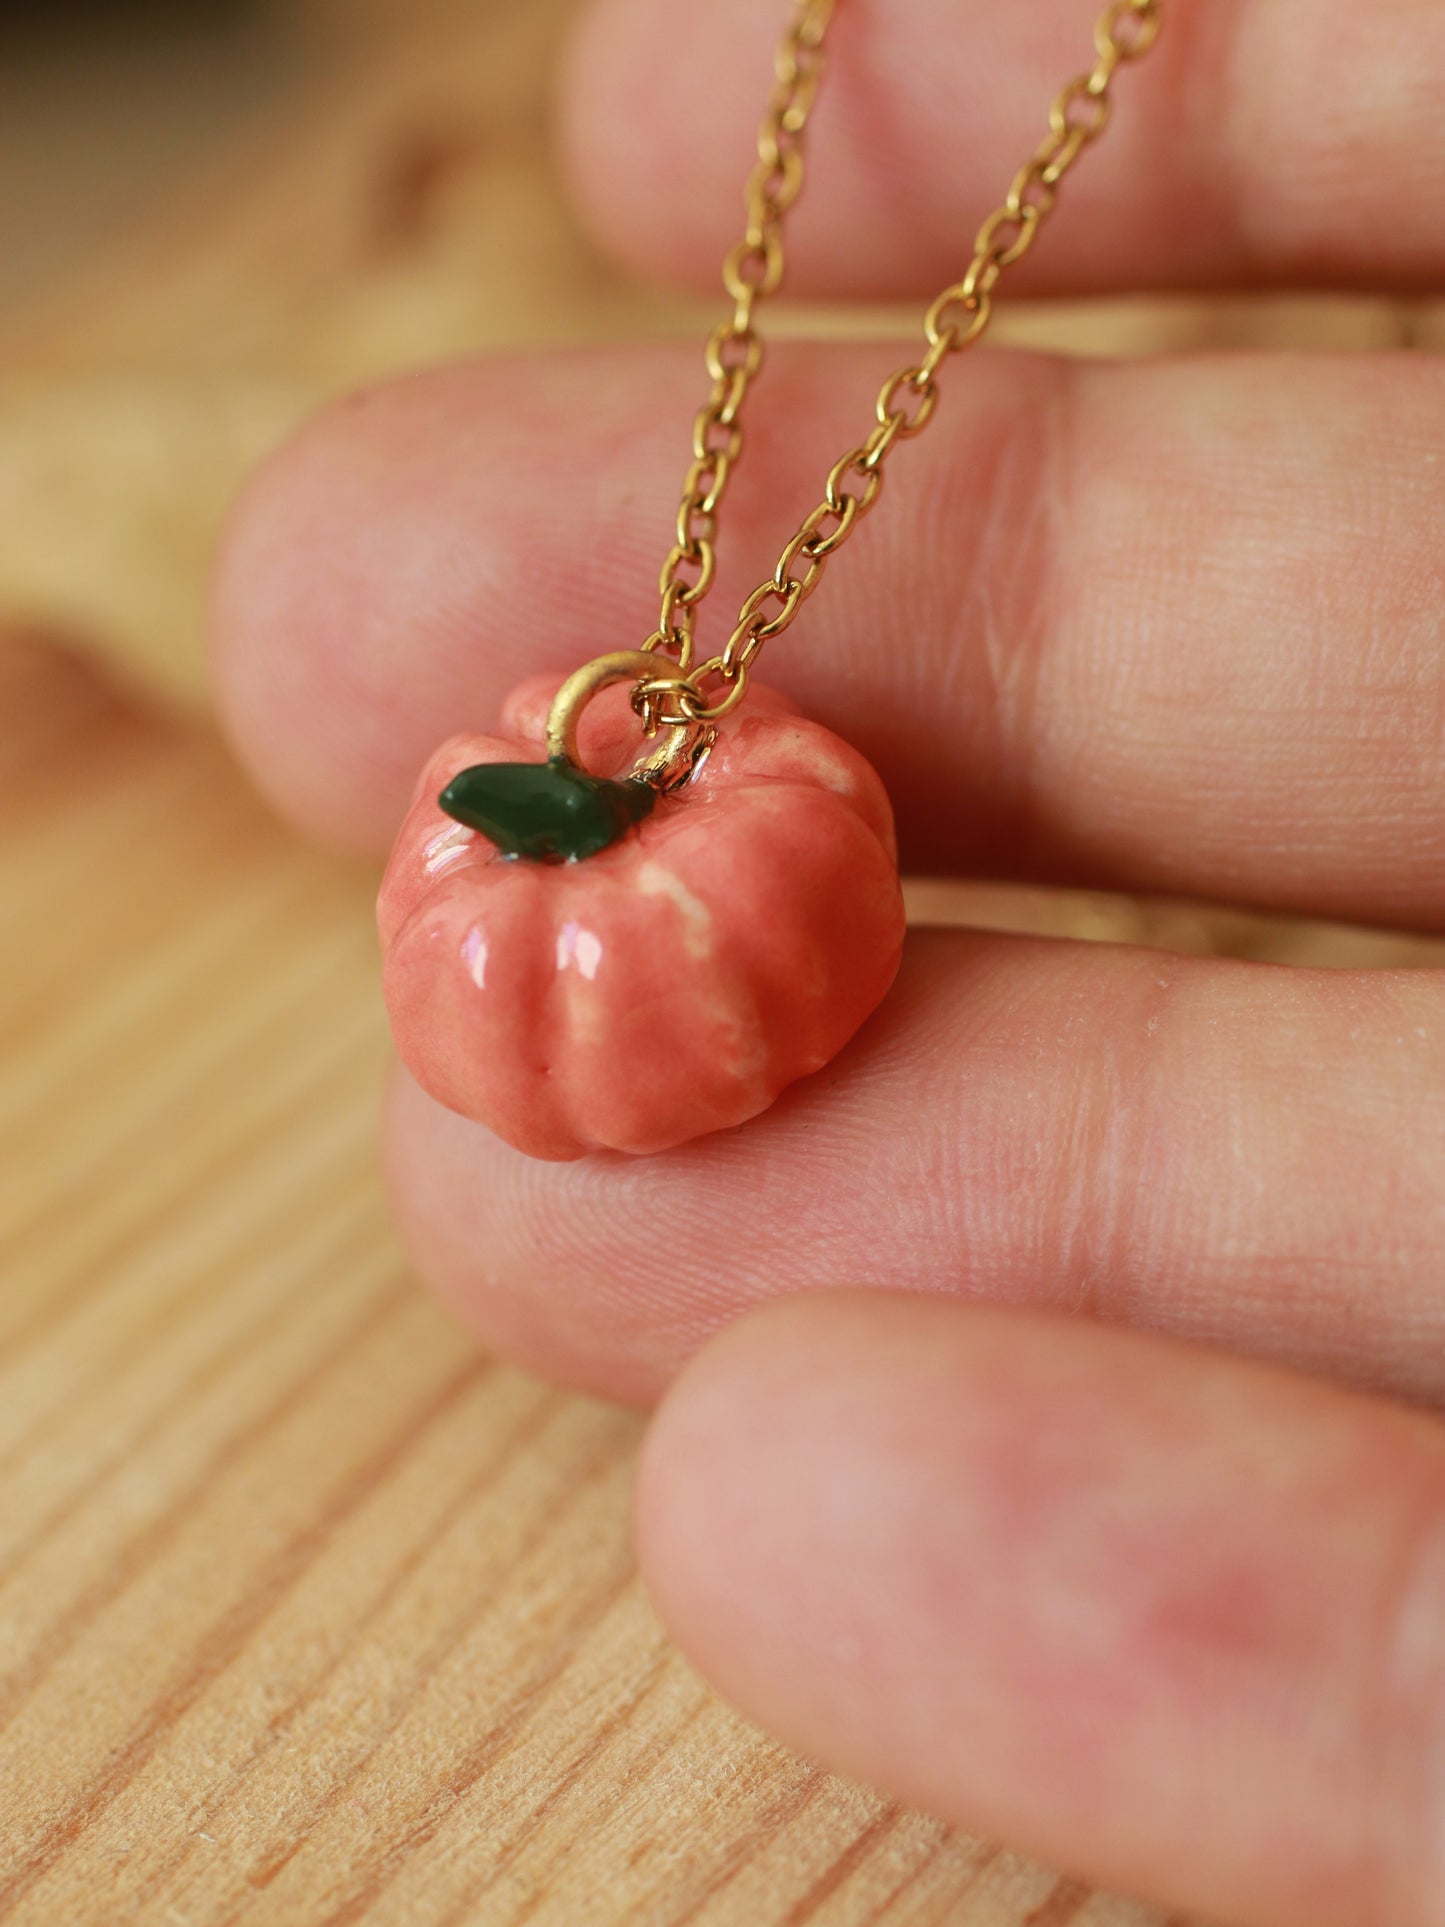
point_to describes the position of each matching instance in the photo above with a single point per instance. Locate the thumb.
(1167, 1619)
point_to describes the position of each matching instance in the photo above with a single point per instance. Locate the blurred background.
(307, 1611)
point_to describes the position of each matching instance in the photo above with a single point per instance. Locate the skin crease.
(1165, 1615)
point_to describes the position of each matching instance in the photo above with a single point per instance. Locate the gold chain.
(1125, 31)
(751, 272)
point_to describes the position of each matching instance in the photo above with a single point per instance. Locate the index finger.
(1266, 141)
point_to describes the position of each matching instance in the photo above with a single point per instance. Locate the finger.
(1171, 1621)
(1228, 1151)
(1172, 627)
(1271, 141)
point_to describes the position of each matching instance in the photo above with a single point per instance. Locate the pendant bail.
(667, 765)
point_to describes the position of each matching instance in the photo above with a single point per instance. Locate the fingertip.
(389, 574)
(1115, 1601)
(303, 681)
(622, 72)
(543, 1262)
(753, 1458)
(459, 1201)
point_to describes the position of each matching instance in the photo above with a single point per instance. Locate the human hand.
(1170, 1616)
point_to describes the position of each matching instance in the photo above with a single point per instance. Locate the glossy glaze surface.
(669, 986)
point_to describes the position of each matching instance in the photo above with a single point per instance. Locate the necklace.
(587, 962)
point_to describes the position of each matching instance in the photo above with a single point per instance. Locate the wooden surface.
(309, 1612)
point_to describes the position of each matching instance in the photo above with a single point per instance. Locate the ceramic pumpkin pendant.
(624, 925)
(641, 968)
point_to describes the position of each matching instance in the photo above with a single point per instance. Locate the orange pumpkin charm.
(700, 951)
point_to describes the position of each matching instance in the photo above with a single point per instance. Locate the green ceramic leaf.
(545, 812)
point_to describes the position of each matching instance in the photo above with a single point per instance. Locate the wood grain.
(309, 1612)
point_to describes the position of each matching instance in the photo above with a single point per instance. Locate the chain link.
(751, 272)
(957, 318)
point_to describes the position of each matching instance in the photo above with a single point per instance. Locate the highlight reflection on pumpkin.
(669, 985)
